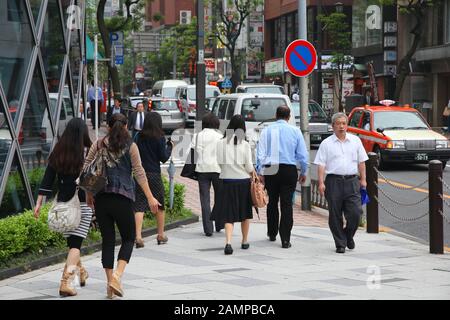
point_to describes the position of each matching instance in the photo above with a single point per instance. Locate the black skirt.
(156, 187)
(234, 202)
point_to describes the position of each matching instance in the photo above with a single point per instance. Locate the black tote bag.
(188, 170)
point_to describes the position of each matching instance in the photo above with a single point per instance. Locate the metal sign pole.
(304, 99)
(95, 85)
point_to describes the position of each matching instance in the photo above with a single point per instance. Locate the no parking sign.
(300, 58)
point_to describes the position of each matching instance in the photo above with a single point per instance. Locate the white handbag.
(65, 216)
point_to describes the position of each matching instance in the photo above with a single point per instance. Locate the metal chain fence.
(398, 217)
(400, 203)
(399, 187)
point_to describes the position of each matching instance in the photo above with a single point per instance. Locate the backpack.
(260, 198)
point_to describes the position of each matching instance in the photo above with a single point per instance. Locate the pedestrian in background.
(136, 120)
(280, 149)
(91, 99)
(114, 205)
(234, 202)
(205, 144)
(115, 108)
(341, 157)
(153, 149)
(65, 164)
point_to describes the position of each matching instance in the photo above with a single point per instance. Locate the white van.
(188, 98)
(167, 88)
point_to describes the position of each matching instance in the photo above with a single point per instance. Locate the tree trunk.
(235, 72)
(403, 66)
(105, 38)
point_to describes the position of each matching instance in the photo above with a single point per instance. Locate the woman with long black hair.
(114, 205)
(65, 163)
(234, 202)
(153, 149)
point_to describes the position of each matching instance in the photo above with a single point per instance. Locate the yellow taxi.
(397, 134)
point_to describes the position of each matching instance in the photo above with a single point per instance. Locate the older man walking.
(341, 157)
(281, 147)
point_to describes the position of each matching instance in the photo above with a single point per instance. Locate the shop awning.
(90, 50)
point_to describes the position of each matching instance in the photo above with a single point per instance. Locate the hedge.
(22, 233)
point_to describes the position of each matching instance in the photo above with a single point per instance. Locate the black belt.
(345, 177)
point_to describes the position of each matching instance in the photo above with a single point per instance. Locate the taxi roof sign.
(387, 102)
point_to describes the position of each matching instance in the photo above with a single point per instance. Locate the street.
(406, 176)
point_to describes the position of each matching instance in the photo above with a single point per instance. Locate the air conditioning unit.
(185, 16)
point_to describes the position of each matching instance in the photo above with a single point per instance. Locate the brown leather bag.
(260, 198)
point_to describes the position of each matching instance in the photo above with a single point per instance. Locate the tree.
(230, 26)
(131, 21)
(340, 39)
(416, 9)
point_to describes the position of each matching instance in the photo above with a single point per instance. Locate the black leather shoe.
(272, 238)
(340, 250)
(351, 244)
(286, 244)
(245, 246)
(208, 234)
(228, 249)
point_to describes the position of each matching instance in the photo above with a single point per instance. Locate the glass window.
(215, 107)
(367, 23)
(447, 21)
(53, 47)
(16, 43)
(36, 127)
(365, 125)
(35, 8)
(209, 93)
(315, 112)
(75, 62)
(222, 109)
(15, 198)
(164, 104)
(169, 92)
(257, 110)
(230, 110)
(265, 89)
(354, 121)
(397, 120)
(5, 139)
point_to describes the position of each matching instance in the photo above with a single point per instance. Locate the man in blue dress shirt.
(280, 149)
(91, 99)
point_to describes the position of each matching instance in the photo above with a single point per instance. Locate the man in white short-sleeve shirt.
(341, 157)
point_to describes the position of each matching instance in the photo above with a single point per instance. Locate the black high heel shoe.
(162, 240)
(228, 249)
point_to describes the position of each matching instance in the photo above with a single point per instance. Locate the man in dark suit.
(136, 120)
(116, 108)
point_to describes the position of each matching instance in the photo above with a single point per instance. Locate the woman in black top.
(153, 149)
(65, 164)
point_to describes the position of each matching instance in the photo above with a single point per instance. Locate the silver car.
(170, 110)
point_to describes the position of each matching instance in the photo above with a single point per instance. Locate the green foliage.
(178, 201)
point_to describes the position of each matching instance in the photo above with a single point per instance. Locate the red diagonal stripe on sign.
(300, 57)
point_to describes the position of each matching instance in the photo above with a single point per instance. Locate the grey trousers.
(343, 196)
(204, 185)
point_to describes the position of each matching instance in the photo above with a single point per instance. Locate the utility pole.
(319, 54)
(200, 83)
(304, 99)
(175, 60)
(95, 85)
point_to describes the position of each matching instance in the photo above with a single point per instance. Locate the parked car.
(167, 88)
(319, 127)
(398, 134)
(259, 88)
(258, 111)
(5, 140)
(188, 98)
(170, 110)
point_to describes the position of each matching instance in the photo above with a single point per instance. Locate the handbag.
(260, 198)
(65, 216)
(188, 170)
(446, 112)
(93, 178)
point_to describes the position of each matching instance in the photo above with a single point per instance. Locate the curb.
(47, 261)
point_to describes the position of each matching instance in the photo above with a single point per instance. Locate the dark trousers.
(74, 242)
(204, 186)
(281, 187)
(92, 107)
(110, 209)
(343, 196)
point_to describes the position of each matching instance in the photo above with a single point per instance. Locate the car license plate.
(316, 137)
(421, 157)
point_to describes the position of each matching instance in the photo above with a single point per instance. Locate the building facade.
(41, 68)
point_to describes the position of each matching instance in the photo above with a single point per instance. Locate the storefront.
(40, 88)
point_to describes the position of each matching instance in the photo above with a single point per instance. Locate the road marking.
(398, 184)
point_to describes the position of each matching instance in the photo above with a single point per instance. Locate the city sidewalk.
(194, 267)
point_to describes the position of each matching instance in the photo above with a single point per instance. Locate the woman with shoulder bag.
(65, 164)
(114, 205)
(153, 149)
(447, 114)
(234, 202)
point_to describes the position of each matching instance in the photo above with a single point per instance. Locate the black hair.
(92, 82)
(152, 126)
(283, 112)
(237, 124)
(118, 136)
(67, 156)
(210, 120)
